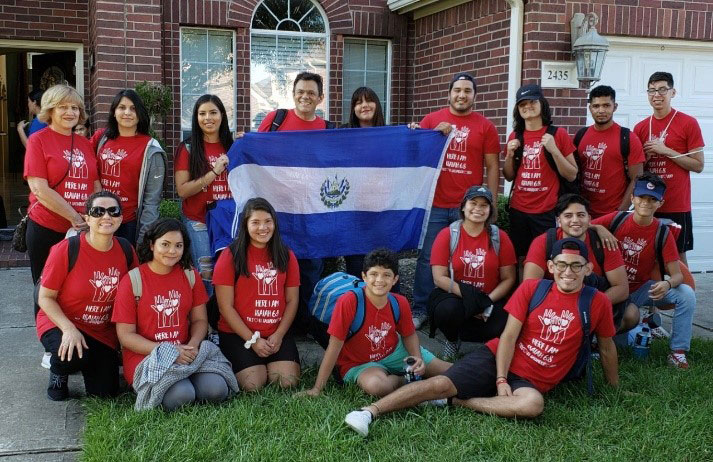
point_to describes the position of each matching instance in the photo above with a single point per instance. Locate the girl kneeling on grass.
(161, 326)
(256, 283)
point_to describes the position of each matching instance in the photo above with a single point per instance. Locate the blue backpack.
(324, 299)
(583, 364)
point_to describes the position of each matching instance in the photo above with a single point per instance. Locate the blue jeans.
(423, 280)
(200, 251)
(684, 300)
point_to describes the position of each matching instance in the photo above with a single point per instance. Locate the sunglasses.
(98, 212)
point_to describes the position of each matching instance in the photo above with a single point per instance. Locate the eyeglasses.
(562, 266)
(661, 91)
(98, 212)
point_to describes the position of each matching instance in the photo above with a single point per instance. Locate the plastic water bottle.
(410, 375)
(642, 343)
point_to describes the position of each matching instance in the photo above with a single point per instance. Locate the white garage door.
(627, 68)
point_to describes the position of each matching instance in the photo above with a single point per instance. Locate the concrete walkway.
(36, 429)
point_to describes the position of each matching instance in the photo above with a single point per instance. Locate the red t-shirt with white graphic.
(260, 298)
(551, 335)
(474, 260)
(292, 123)
(194, 207)
(86, 294)
(537, 255)
(536, 184)
(683, 135)
(47, 156)
(463, 164)
(604, 180)
(120, 163)
(377, 337)
(162, 313)
(638, 248)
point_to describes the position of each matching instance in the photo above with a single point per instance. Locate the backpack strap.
(395, 308)
(280, 116)
(454, 229)
(101, 143)
(128, 251)
(578, 137)
(191, 276)
(584, 304)
(596, 244)
(661, 235)
(136, 284)
(550, 239)
(72, 251)
(543, 288)
(359, 314)
(517, 155)
(495, 238)
(624, 136)
(551, 130)
(617, 221)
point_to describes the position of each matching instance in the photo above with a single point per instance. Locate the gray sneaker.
(419, 319)
(359, 422)
(450, 349)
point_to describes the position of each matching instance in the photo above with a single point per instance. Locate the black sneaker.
(57, 389)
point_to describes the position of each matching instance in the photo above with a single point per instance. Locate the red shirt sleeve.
(342, 316)
(564, 142)
(604, 220)
(640, 130)
(602, 319)
(181, 162)
(35, 165)
(440, 251)
(427, 122)
(536, 252)
(200, 296)
(405, 325)
(694, 137)
(491, 143)
(612, 259)
(56, 268)
(520, 300)
(266, 122)
(636, 150)
(293, 272)
(507, 255)
(125, 304)
(670, 250)
(224, 271)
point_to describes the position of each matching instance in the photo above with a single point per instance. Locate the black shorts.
(474, 375)
(525, 227)
(685, 237)
(233, 348)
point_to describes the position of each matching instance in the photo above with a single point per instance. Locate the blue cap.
(647, 188)
(478, 191)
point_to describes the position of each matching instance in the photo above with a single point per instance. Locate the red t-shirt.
(536, 184)
(120, 163)
(377, 337)
(638, 248)
(683, 135)
(162, 313)
(601, 152)
(465, 158)
(474, 261)
(47, 156)
(292, 123)
(552, 334)
(260, 298)
(538, 248)
(86, 294)
(194, 207)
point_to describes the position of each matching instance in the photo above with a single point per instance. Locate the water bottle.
(642, 343)
(410, 375)
(653, 320)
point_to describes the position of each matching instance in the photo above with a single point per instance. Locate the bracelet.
(501, 380)
(253, 340)
(216, 174)
(670, 286)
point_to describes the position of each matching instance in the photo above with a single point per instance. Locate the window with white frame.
(207, 66)
(287, 37)
(366, 64)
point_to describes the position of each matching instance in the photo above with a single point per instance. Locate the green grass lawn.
(657, 413)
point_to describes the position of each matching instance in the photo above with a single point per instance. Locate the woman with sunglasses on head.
(202, 176)
(132, 165)
(169, 310)
(76, 303)
(257, 285)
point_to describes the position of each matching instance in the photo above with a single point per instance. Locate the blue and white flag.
(341, 192)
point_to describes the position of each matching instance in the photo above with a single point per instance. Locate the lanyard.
(665, 130)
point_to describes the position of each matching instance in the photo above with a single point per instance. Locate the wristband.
(670, 286)
(216, 174)
(253, 340)
(500, 380)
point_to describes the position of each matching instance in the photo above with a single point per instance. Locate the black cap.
(478, 191)
(530, 91)
(462, 76)
(558, 248)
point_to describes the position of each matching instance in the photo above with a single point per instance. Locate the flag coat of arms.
(341, 192)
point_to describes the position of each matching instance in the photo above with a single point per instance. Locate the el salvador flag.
(341, 192)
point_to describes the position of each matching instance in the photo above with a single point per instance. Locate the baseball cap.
(478, 191)
(559, 248)
(462, 76)
(530, 91)
(647, 188)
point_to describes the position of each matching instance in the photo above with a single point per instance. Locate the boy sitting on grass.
(375, 355)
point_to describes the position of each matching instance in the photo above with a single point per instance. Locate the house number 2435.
(557, 75)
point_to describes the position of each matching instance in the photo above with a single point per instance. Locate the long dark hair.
(112, 126)
(369, 95)
(545, 114)
(279, 253)
(157, 229)
(197, 163)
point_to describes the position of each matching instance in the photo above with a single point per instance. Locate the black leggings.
(449, 317)
(99, 363)
(39, 242)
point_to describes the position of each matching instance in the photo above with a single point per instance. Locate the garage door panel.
(620, 66)
(651, 64)
(701, 76)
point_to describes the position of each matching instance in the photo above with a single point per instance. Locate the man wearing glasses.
(508, 376)
(673, 145)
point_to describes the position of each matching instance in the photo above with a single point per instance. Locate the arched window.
(287, 37)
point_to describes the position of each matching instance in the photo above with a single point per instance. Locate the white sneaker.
(359, 421)
(660, 332)
(46, 360)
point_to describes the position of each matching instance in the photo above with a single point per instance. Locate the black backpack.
(624, 135)
(565, 186)
(583, 364)
(280, 116)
